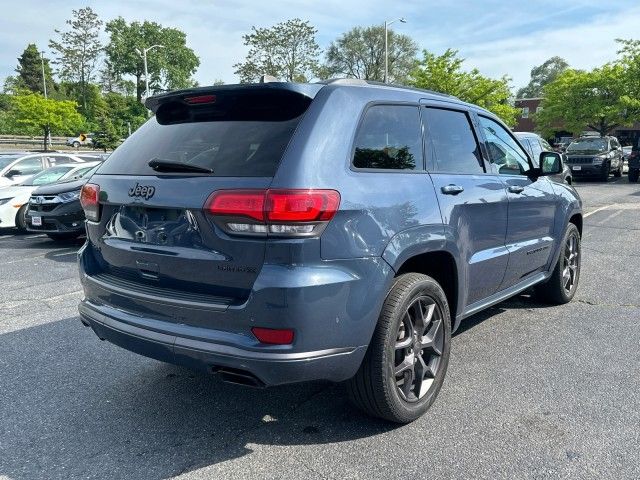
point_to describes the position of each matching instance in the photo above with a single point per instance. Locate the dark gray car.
(278, 232)
(595, 156)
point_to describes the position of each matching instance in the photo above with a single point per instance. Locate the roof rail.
(345, 81)
(359, 81)
(268, 79)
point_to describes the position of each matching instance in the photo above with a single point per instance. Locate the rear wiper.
(160, 165)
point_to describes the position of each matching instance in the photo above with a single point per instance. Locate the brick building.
(529, 106)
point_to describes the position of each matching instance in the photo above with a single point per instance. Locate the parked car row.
(39, 192)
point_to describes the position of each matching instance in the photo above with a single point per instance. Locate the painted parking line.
(598, 210)
(615, 206)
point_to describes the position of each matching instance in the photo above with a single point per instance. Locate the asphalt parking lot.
(531, 392)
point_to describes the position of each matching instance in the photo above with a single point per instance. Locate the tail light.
(89, 201)
(273, 336)
(273, 212)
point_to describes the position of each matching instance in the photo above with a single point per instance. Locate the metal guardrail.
(30, 140)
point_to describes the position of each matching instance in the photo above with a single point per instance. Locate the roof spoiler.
(267, 84)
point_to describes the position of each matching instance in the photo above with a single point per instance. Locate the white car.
(82, 139)
(17, 167)
(14, 200)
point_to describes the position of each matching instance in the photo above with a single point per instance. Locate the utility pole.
(44, 78)
(44, 89)
(386, 46)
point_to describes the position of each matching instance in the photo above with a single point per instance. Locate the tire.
(21, 221)
(374, 389)
(633, 175)
(76, 144)
(63, 236)
(554, 290)
(604, 176)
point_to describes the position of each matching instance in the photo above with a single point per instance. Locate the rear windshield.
(228, 142)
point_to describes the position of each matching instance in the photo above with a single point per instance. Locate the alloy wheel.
(570, 263)
(418, 349)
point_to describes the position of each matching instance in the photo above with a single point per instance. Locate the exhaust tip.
(238, 377)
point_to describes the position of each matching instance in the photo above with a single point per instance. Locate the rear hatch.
(153, 233)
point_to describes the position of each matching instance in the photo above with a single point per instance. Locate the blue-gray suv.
(275, 233)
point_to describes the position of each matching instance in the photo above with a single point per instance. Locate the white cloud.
(497, 36)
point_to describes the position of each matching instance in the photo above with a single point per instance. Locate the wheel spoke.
(431, 340)
(420, 370)
(418, 316)
(404, 343)
(406, 364)
(407, 386)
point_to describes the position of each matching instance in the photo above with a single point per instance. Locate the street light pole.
(44, 78)
(47, 140)
(386, 46)
(143, 54)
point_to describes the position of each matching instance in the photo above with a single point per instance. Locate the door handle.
(452, 189)
(516, 189)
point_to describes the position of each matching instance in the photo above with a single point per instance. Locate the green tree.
(169, 67)
(630, 62)
(359, 53)
(34, 113)
(541, 76)
(287, 51)
(29, 70)
(444, 73)
(106, 136)
(78, 50)
(91, 93)
(578, 100)
(125, 113)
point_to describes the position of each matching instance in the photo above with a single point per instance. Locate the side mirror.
(13, 173)
(550, 163)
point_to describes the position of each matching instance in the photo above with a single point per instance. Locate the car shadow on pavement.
(73, 406)
(523, 301)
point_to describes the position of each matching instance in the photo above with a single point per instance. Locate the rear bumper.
(333, 309)
(270, 368)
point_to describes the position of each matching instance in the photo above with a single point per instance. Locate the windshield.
(588, 145)
(6, 160)
(48, 176)
(82, 173)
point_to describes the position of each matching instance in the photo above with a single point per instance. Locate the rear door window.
(389, 138)
(240, 136)
(452, 141)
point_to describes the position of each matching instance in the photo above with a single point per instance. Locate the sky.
(499, 37)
